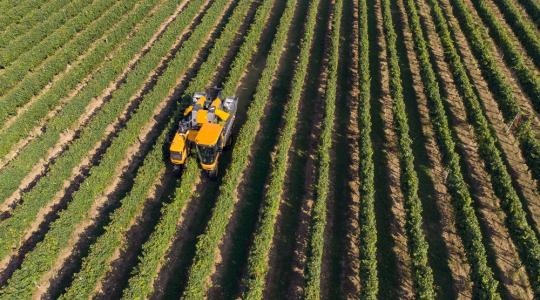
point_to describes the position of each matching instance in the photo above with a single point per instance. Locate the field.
(381, 149)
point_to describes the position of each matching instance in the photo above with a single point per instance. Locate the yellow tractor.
(207, 123)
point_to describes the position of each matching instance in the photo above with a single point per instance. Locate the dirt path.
(295, 274)
(349, 276)
(516, 165)
(517, 4)
(456, 260)
(501, 249)
(509, 74)
(512, 34)
(286, 257)
(405, 288)
(41, 168)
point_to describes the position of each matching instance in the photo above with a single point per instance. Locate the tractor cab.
(207, 123)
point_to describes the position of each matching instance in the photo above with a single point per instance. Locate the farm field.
(384, 149)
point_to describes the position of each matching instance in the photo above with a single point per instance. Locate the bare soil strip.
(509, 74)
(456, 259)
(501, 249)
(124, 171)
(287, 253)
(500, 17)
(41, 168)
(125, 257)
(348, 188)
(48, 213)
(522, 178)
(405, 288)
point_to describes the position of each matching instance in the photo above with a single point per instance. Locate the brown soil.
(118, 265)
(350, 276)
(397, 227)
(176, 249)
(300, 245)
(509, 74)
(501, 249)
(509, 145)
(525, 15)
(457, 260)
(93, 107)
(80, 172)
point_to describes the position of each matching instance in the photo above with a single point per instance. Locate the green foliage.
(322, 180)
(520, 231)
(94, 63)
(21, 42)
(34, 69)
(504, 93)
(485, 286)
(16, 170)
(418, 247)
(368, 223)
(36, 16)
(532, 8)
(44, 255)
(16, 11)
(260, 250)
(524, 30)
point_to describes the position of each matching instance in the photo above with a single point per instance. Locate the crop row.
(512, 55)
(32, 48)
(524, 30)
(91, 64)
(418, 247)
(79, 211)
(322, 180)
(155, 250)
(368, 223)
(12, 229)
(259, 253)
(97, 263)
(33, 18)
(30, 84)
(503, 91)
(208, 243)
(154, 162)
(485, 284)
(13, 173)
(520, 230)
(532, 8)
(18, 11)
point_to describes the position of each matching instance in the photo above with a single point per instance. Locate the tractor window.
(176, 155)
(207, 154)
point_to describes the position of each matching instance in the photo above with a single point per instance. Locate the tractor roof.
(208, 134)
